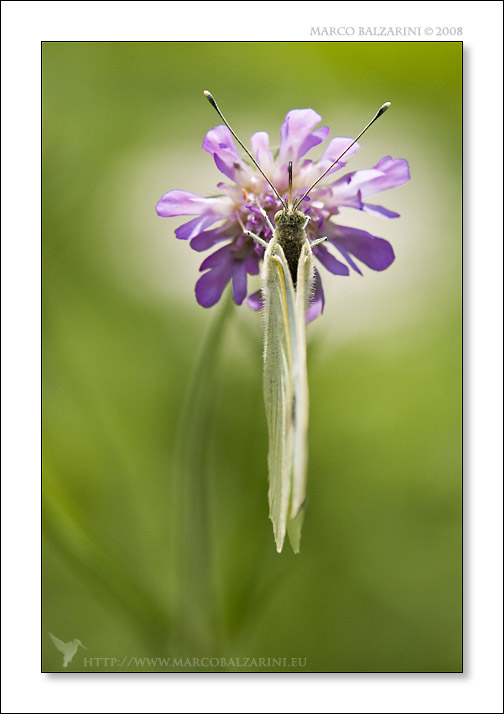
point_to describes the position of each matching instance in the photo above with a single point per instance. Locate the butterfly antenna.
(214, 105)
(378, 114)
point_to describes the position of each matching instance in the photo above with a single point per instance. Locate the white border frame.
(25, 25)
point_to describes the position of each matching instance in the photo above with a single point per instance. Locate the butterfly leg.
(267, 219)
(308, 219)
(249, 234)
(318, 241)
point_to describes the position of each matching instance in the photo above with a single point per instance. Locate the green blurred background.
(157, 541)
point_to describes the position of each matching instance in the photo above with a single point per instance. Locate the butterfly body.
(291, 235)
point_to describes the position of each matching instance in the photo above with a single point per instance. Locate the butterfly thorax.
(290, 234)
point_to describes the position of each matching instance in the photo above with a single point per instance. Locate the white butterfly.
(287, 283)
(287, 277)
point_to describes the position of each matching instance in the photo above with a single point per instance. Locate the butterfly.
(287, 278)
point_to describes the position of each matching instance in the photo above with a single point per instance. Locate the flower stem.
(194, 593)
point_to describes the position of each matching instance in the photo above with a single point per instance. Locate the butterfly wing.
(278, 291)
(304, 286)
(285, 390)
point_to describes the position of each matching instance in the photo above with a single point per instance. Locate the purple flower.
(224, 219)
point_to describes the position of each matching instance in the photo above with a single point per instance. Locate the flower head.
(226, 218)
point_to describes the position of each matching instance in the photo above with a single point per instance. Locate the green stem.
(194, 593)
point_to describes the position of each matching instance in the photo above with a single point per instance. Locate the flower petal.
(310, 171)
(195, 226)
(210, 286)
(239, 281)
(262, 152)
(221, 256)
(184, 203)
(379, 211)
(219, 142)
(337, 146)
(313, 139)
(332, 264)
(316, 306)
(388, 173)
(374, 252)
(207, 239)
(294, 134)
(255, 301)
(252, 262)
